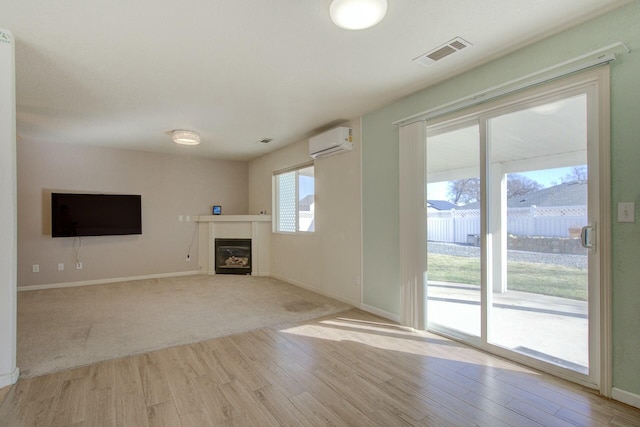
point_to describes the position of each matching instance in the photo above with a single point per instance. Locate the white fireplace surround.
(254, 227)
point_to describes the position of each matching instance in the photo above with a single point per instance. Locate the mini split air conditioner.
(334, 141)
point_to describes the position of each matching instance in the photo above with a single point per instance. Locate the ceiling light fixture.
(357, 14)
(185, 137)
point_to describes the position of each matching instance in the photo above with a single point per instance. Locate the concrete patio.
(549, 328)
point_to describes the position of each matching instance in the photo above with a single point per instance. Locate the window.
(510, 184)
(294, 200)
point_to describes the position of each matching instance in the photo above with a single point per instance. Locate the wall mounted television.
(80, 215)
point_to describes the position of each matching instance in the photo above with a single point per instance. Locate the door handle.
(586, 237)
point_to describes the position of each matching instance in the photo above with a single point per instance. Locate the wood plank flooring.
(351, 369)
(3, 393)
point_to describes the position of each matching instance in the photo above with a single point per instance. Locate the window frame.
(598, 81)
(276, 198)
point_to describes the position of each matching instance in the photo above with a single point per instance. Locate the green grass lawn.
(545, 279)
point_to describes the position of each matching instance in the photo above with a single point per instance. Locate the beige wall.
(327, 261)
(170, 186)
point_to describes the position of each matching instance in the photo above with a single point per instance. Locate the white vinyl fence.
(458, 226)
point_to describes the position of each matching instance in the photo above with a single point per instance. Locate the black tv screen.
(95, 214)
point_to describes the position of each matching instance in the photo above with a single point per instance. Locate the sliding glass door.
(512, 212)
(538, 189)
(453, 228)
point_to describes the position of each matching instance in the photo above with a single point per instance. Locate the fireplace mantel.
(233, 218)
(254, 227)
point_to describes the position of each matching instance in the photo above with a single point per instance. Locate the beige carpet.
(69, 327)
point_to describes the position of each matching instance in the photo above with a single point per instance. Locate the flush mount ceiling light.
(357, 14)
(185, 137)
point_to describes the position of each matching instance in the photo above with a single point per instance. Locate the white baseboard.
(625, 397)
(103, 281)
(381, 313)
(10, 378)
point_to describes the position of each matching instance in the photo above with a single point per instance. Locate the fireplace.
(233, 256)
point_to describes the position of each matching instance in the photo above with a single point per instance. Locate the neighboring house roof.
(305, 203)
(566, 194)
(441, 205)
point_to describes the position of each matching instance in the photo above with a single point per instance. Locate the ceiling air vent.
(452, 46)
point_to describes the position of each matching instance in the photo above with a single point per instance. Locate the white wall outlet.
(35, 268)
(79, 265)
(626, 212)
(179, 218)
(188, 257)
(61, 266)
(188, 218)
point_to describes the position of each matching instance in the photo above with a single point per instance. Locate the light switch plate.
(627, 212)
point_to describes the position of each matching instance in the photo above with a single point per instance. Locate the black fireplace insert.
(233, 256)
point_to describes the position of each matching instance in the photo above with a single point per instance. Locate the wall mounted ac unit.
(331, 142)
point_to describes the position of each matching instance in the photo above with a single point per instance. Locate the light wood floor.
(3, 393)
(349, 369)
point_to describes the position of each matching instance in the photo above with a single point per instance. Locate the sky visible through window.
(306, 186)
(546, 178)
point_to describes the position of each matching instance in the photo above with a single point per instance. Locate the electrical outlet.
(626, 212)
(188, 218)
(188, 257)
(179, 218)
(35, 268)
(79, 265)
(61, 266)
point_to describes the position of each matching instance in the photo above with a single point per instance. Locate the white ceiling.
(122, 73)
(549, 135)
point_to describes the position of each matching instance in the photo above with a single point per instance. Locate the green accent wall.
(380, 171)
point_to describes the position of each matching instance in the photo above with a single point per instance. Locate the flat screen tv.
(95, 214)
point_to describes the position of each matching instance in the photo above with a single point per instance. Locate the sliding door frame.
(600, 302)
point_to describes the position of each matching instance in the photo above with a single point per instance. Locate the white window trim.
(276, 198)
